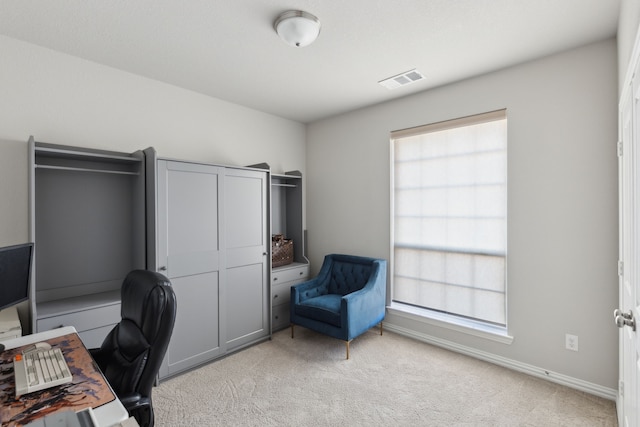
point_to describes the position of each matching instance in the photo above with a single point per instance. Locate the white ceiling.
(228, 49)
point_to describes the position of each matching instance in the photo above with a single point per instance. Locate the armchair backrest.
(348, 277)
(345, 274)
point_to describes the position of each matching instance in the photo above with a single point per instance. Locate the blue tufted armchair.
(347, 298)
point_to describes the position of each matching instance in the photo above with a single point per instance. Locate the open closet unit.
(87, 216)
(286, 219)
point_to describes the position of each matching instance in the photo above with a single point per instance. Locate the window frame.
(459, 323)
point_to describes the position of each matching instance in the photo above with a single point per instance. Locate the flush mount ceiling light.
(297, 28)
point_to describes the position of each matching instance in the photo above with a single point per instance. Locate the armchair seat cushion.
(325, 308)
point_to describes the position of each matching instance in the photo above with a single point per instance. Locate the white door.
(246, 298)
(629, 285)
(189, 255)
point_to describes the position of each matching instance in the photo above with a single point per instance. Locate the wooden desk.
(89, 388)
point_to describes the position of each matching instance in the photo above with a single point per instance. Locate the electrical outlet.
(571, 342)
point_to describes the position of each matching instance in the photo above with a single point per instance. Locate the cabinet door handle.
(163, 268)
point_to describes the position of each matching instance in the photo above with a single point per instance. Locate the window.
(449, 231)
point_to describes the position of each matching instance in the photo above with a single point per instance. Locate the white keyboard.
(40, 369)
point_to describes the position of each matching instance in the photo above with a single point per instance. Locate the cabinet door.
(246, 285)
(189, 255)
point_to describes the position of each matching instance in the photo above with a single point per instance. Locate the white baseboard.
(575, 383)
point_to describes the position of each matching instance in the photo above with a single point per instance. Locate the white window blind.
(449, 217)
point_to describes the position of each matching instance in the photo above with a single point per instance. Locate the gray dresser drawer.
(280, 316)
(283, 275)
(281, 293)
(83, 320)
(93, 338)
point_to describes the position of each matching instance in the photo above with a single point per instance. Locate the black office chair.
(132, 353)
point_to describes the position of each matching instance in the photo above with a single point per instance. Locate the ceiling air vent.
(403, 79)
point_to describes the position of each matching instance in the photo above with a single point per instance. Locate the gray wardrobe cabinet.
(95, 215)
(211, 241)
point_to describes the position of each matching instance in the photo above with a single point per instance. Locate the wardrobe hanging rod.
(67, 168)
(284, 185)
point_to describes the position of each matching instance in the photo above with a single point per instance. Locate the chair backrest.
(133, 351)
(348, 273)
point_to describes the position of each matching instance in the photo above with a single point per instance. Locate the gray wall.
(562, 219)
(61, 99)
(627, 29)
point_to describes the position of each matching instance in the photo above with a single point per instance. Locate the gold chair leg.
(347, 343)
(380, 327)
(292, 331)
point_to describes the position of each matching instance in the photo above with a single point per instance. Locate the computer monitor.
(15, 270)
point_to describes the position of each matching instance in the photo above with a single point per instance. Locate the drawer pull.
(301, 273)
(275, 279)
(275, 296)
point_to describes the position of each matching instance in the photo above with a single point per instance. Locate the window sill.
(467, 326)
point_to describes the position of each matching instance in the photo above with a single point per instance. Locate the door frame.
(629, 241)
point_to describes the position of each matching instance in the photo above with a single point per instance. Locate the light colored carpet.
(390, 380)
